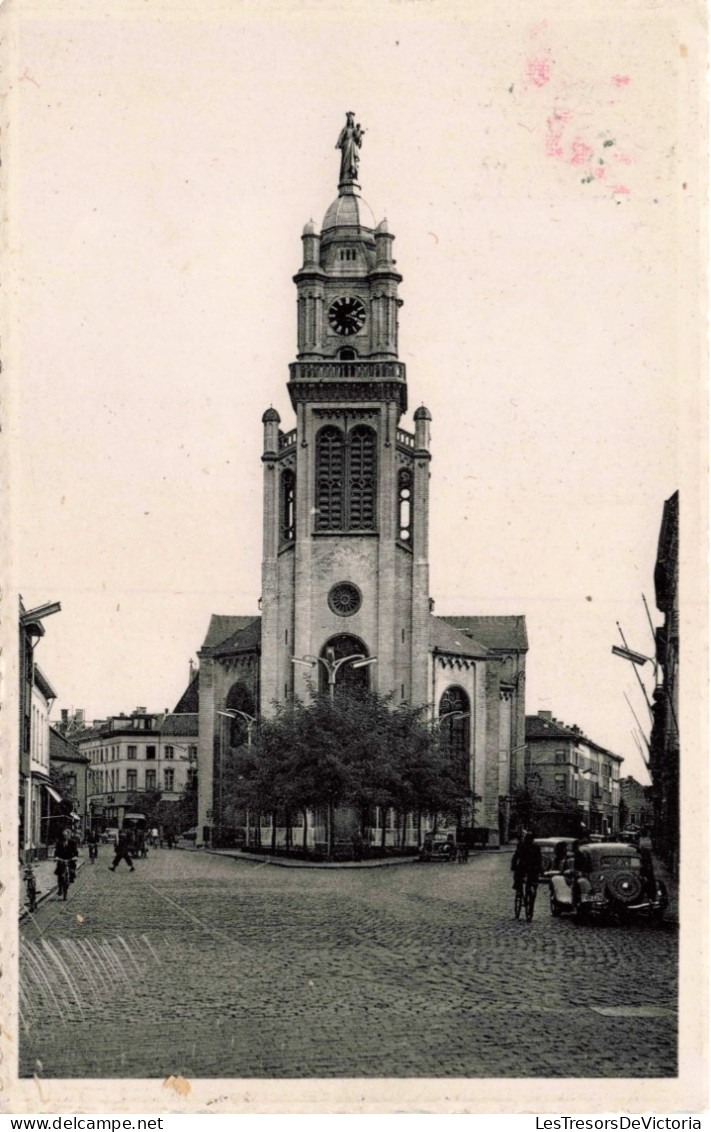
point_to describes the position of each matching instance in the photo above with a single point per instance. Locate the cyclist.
(65, 854)
(526, 863)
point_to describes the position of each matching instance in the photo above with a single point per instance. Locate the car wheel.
(555, 906)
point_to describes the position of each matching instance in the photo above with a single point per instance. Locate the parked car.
(436, 845)
(608, 879)
(554, 850)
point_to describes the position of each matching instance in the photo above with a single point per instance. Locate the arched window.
(455, 719)
(346, 479)
(404, 506)
(330, 479)
(346, 676)
(288, 499)
(361, 479)
(239, 698)
(347, 354)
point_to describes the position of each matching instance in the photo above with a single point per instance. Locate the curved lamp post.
(358, 659)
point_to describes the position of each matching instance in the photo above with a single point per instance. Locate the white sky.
(162, 168)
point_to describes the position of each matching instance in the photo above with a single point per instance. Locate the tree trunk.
(419, 827)
(306, 828)
(288, 831)
(383, 832)
(274, 831)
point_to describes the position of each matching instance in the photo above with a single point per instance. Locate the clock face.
(346, 315)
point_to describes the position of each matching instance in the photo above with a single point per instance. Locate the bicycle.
(525, 897)
(30, 887)
(63, 878)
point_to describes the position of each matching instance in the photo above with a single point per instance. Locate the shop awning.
(52, 792)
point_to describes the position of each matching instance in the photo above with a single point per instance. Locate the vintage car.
(439, 845)
(610, 878)
(554, 850)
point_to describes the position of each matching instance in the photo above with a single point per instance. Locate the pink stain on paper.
(539, 71)
(570, 137)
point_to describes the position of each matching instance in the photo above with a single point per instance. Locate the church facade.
(345, 568)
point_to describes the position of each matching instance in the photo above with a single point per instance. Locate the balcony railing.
(347, 371)
(287, 439)
(404, 438)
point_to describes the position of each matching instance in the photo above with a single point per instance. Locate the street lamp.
(250, 720)
(359, 659)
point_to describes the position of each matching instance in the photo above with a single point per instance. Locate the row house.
(567, 767)
(35, 700)
(134, 754)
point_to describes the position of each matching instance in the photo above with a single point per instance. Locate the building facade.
(136, 754)
(664, 746)
(565, 767)
(69, 770)
(35, 699)
(345, 568)
(637, 802)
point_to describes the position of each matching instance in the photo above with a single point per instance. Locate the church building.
(345, 567)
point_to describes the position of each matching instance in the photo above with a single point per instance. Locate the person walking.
(92, 841)
(122, 853)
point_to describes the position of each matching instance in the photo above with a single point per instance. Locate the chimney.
(546, 715)
(140, 711)
(79, 715)
(65, 716)
(192, 671)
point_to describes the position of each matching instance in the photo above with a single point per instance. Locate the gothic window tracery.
(346, 479)
(288, 508)
(454, 716)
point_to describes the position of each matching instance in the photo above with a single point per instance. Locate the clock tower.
(345, 543)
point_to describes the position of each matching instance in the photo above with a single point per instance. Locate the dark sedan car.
(610, 878)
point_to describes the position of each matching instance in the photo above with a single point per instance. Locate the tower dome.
(270, 415)
(348, 210)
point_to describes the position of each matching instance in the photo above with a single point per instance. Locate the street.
(204, 966)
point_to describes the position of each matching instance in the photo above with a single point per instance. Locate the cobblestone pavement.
(206, 967)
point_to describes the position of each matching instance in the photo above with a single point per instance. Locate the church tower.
(345, 543)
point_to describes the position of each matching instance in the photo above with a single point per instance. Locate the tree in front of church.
(355, 750)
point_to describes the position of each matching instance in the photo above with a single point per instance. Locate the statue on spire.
(349, 142)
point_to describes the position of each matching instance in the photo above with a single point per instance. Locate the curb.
(285, 863)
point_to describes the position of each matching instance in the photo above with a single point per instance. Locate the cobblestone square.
(210, 967)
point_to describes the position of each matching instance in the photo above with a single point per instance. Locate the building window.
(404, 505)
(169, 753)
(150, 780)
(361, 479)
(192, 752)
(131, 779)
(168, 778)
(150, 752)
(346, 477)
(560, 757)
(288, 510)
(132, 750)
(454, 728)
(560, 785)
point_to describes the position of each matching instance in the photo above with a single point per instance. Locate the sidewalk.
(663, 873)
(46, 882)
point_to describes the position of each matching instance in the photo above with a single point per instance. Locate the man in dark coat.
(122, 853)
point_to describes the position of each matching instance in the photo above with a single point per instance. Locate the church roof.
(190, 699)
(247, 634)
(223, 626)
(446, 638)
(505, 632)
